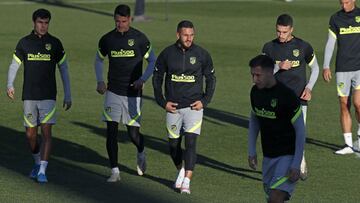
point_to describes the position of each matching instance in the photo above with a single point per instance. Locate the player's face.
(122, 23)
(284, 33)
(41, 26)
(261, 77)
(347, 5)
(186, 37)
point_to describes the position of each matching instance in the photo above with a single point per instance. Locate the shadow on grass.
(323, 144)
(62, 4)
(161, 145)
(15, 155)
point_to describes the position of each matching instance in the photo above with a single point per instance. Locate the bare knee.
(277, 196)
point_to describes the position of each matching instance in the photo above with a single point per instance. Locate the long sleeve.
(98, 65)
(63, 68)
(314, 73)
(254, 129)
(13, 68)
(150, 67)
(329, 49)
(157, 81)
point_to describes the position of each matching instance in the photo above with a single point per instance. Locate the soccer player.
(344, 29)
(276, 113)
(125, 47)
(292, 55)
(40, 52)
(184, 65)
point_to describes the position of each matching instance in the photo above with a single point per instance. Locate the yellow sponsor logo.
(265, 113)
(38, 57)
(349, 30)
(182, 78)
(294, 64)
(122, 53)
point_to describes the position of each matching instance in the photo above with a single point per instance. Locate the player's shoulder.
(108, 35)
(285, 91)
(53, 38)
(137, 33)
(200, 50)
(301, 42)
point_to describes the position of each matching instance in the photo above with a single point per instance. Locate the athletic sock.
(115, 170)
(36, 158)
(43, 166)
(348, 139)
(186, 181)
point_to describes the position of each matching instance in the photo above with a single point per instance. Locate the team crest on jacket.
(193, 60)
(131, 42)
(357, 19)
(48, 47)
(296, 52)
(273, 103)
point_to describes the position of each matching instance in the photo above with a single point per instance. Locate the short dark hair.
(41, 13)
(122, 10)
(263, 61)
(184, 24)
(284, 20)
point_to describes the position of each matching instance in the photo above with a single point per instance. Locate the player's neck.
(272, 82)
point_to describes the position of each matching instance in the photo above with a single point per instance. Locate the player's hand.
(252, 162)
(285, 65)
(306, 95)
(171, 107)
(101, 87)
(67, 105)
(327, 74)
(138, 84)
(196, 105)
(11, 92)
(294, 174)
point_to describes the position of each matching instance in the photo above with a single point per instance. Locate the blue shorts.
(275, 174)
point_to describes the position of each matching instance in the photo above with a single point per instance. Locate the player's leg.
(132, 117)
(31, 129)
(343, 80)
(173, 126)
(303, 166)
(356, 101)
(47, 117)
(111, 115)
(277, 196)
(192, 125)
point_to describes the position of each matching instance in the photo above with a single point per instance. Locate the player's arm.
(13, 68)
(99, 68)
(157, 80)
(151, 59)
(254, 129)
(311, 60)
(299, 126)
(329, 49)
(210, 81)
(64, 73)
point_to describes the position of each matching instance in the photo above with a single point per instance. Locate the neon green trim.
(297, 114)
(173, 135)
(107, 117)
(279, 182)
(49, 116)
(101, 56)
(312, 60)
(62, 60)
(147, 54)
(339, 92)
(28, 122)
(17, 59)
(134, 119)
(198, 125)
(333, 34)
(357, 88)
